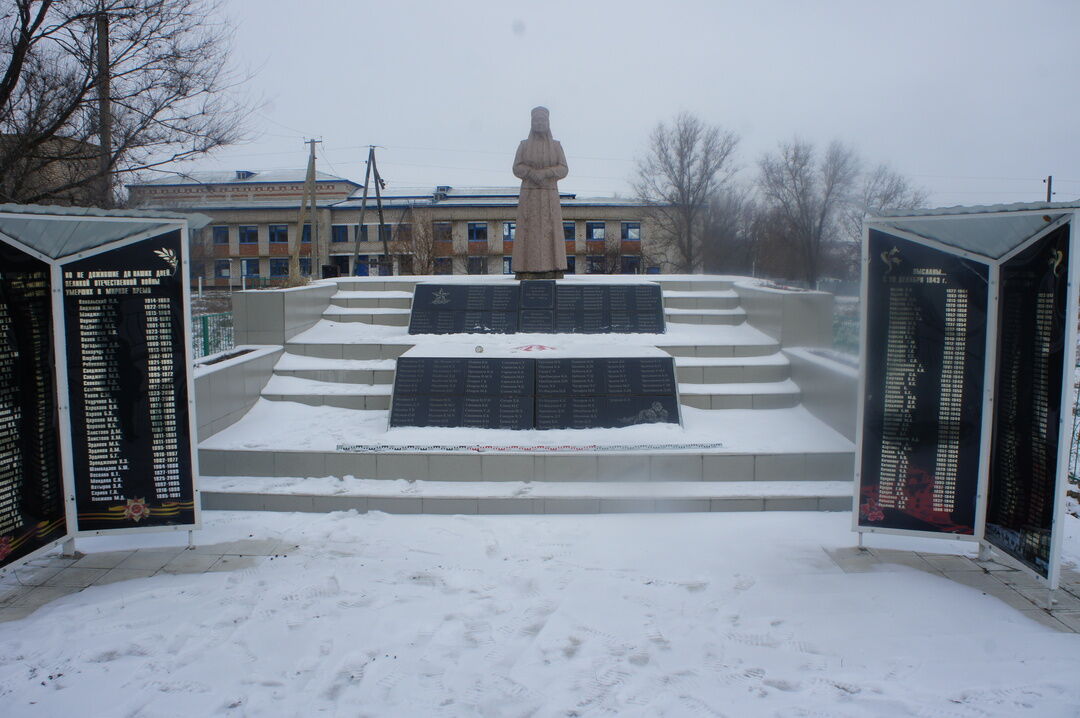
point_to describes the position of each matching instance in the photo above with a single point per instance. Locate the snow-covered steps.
(381, 299)
(347, 371)
(386, 316)
(740, 395)
(537, 497)
(721, 370)
(728, 299)
(329, 393)
(705, 316)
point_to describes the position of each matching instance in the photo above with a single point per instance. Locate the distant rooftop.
(238, 177)
(445, 195)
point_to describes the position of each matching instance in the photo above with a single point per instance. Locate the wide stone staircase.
(746, 444)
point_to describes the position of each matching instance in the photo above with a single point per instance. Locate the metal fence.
(211, 333)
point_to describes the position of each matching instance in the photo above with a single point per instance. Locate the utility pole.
(363, 206)
(309, 194)
(104, 110)
(1049, 182)
(382, 223)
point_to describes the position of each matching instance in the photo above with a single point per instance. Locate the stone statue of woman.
(539, 246)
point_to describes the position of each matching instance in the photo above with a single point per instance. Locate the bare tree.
(95, 90)
(686, 163)
(729, 242)
(415, 236)
(808, 197)
(881, 188)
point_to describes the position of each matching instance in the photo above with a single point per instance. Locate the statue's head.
(540, 121)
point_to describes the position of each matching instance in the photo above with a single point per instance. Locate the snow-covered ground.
(734, 615)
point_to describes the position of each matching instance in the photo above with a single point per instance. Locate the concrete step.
(289, 387)
(729, 370)
(438, 497)
(374, 299)
(558, 466)
(696, 285)
(701, 300)
(705, 316)
(387, 317)
(334, 371)
(352, 350)
(720, 350)
(766, 395)
(381, 284)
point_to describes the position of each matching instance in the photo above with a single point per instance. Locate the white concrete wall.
(793, 318)
(224, 391)
(830, 390)
(274, 316)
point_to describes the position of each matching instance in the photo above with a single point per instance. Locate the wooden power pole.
(372, 170)
(307, 198)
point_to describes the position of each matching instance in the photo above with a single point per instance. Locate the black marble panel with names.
(31, 485)
(537, 306)
(1032, 327)
(924, 365)
(511, 393)
(127, 360)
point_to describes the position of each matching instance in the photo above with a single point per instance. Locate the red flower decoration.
(136, 510)
(871, 511)
(5, 547)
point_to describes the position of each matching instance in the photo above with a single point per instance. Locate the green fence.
(211, 333)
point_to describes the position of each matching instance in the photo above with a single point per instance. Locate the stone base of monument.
(320, 437)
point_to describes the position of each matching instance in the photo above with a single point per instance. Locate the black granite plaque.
(536, 321)
(127, 368)
(926, 331)
(538, 294)
(31, 487)
(586, 412)
(536, 306)
(508, 393)
(1027, 416)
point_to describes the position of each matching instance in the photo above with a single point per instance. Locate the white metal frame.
(884, 224)
(56, 269)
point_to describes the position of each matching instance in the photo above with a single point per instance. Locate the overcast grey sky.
(975, 101)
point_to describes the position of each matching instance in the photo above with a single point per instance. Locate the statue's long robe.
(538, 243)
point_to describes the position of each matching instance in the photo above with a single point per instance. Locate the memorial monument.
(539, 248)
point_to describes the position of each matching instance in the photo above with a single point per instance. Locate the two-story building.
(439, 230)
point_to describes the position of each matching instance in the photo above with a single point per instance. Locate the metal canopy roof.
(991, 231)
(62, 231)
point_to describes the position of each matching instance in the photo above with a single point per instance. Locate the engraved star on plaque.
(441, 296)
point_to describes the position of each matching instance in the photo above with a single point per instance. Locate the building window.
(444, 265)
(249, 234)
(631, 231)
(478, 265)
(341, 262)
(360, 269)
(221, 235)
(363, 231)
(279, 233)
(594, 231)
(568, 231)
(508, 264)
(403, 233)
(251, 267)
(595, 265)
(339, 233)
(305, 266)
(630, 264)
(221, 268)
(306, 234)
(441, 231)
(571, 264)
(279, 267)
(509, 231)
(477, 233)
